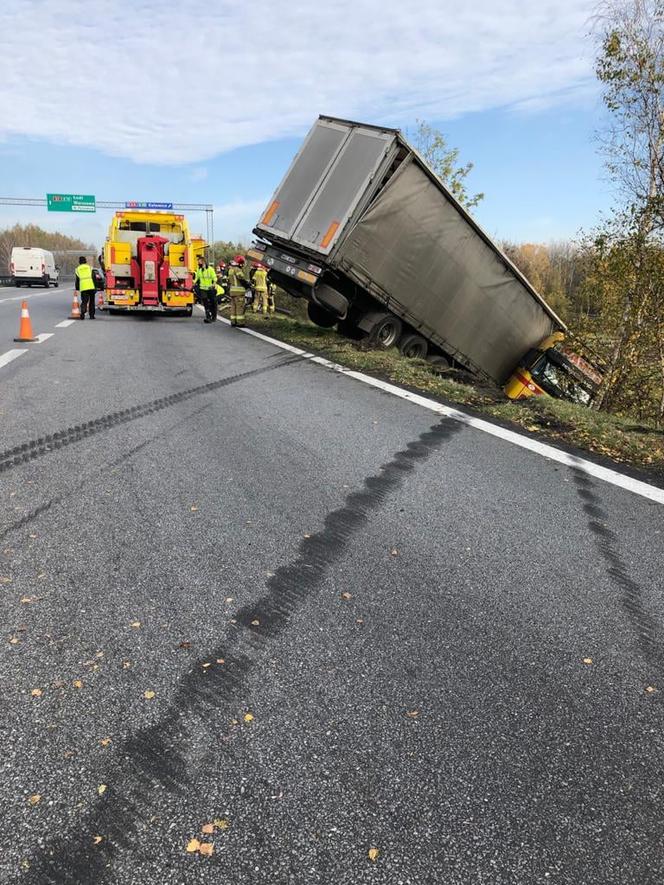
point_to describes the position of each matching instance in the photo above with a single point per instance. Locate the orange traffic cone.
(25, 330)
(75, 309)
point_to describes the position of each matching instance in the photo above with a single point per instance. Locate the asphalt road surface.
(240, 588)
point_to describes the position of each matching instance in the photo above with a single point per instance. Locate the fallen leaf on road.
(97, 839)
(68, 754)
(41, 575)
(412, 714)
(650, 689)
(77, 683)
(101, 789)
(307, 536)
(193, 508)
(126, 665)
(206, 849)
(33, 536)
(373, 853)
(359, 620)
(234, 722)
(5, 579)
(193, 845)
(206, 665)
(36, 692)
(184, 645)
(26, 600)
(248, 717)
(255, 623)
(229, 599)
(394, 552)
(135, 624)
(207, 829)
(221, 661)
(35, 800)
(222, 823)
(14, 640)
(105, 741)
(587, 661)
(346, 595)
(149, 695)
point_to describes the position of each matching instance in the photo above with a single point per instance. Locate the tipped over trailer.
(364, 231)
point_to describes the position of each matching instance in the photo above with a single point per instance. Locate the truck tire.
(413, 347)
(46, 282)
(438, 362)
(385, 331)
(321, 317)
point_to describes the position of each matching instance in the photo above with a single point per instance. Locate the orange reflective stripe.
(331, 231)
(270, 212)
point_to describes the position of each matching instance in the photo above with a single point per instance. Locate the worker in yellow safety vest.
(86, 286)
(260, 286)
(237, 285)
(206, 280)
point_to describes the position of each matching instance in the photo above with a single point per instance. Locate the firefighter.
(237, 286)
(271, 292)
(86, 286)
(222, 283)
(206, 280)
(260, 285)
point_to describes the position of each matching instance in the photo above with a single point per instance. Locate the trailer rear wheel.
(413, 347)
(321, 317)
(386, 331)
(438, 362)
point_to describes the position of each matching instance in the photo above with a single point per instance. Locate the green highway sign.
(71, 203)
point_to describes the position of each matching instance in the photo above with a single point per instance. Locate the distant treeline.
(32, 235)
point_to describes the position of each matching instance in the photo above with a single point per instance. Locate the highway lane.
(401, 603)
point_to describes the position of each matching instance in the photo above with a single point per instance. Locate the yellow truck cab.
(552, 368)
(150, 261)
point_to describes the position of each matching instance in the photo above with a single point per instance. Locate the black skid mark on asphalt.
(37, 448)
(608, 545)
(122, 461)
(155, 758)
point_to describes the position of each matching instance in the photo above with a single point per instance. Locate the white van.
(29, 265)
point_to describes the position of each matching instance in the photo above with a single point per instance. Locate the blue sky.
(510, 84)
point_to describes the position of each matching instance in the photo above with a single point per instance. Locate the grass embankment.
(620, 439)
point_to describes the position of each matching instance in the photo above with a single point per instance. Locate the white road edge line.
(6, 358)
(43, 336)
(64, 324)
(644, 489)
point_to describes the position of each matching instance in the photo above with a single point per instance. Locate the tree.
(443, 160)
(628, 248)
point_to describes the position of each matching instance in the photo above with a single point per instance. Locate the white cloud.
(200, 173)
(179, 83)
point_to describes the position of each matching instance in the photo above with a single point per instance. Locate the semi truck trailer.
(149, 261)
(366, 232)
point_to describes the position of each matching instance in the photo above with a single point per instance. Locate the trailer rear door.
(302, 180)
(342, 187)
